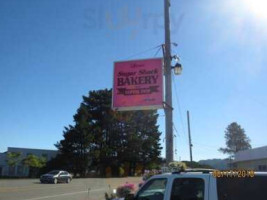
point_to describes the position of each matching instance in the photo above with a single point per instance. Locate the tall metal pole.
(168, 86)
(189, 136)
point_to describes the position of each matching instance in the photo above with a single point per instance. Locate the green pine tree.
(236, 139)
(102, 138)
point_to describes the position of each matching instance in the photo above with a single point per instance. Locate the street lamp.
(177, 69)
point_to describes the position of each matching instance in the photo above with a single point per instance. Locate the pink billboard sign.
(138, 85)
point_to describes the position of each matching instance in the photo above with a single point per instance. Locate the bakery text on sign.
(138, 84)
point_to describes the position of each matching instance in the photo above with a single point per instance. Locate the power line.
(142, 52)
(159, 48)
(175, 130)
(175, 139)
(179, 107)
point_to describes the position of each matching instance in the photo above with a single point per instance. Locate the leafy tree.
(236, 139)
(13, 158)
(34, 163)
(102, 138)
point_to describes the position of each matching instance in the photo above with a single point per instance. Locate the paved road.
(31, 189)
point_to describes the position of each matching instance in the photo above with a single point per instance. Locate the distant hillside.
(196, 165)
(215, 163)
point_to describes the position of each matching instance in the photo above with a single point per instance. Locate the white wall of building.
(255, 159)
(19, 169)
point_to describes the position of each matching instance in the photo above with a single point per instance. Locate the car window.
(188, 189)
(153, 190)
(242, 188)
(53, 172)
(63, 173)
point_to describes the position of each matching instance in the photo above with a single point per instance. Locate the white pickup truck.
(203, 185)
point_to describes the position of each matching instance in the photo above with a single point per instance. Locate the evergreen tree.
(104, 138)
(236, 139)
(76, 145)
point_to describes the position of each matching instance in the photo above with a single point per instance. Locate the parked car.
(203, 185)
(56, 176)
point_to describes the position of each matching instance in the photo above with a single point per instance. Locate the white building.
(20, 169)
(255, 159)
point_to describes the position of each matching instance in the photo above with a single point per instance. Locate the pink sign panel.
(138, 84)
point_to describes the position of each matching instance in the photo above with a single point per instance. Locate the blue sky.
(53, 52)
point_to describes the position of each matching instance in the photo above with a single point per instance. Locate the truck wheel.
(68, 180)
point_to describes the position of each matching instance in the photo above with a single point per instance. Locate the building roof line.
(31, 149)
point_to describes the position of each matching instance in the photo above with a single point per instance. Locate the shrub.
(110, 197)
(149, 173)
(108, 172)
(152, 166)
(124, 190)
(177, 166)
(126, 168)
(121, 172)
(139, 169)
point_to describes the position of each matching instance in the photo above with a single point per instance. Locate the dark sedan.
(56, 176)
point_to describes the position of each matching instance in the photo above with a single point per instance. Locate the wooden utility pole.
(168, 85)
(189, 136)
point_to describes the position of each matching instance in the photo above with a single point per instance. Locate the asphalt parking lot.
(78, 189)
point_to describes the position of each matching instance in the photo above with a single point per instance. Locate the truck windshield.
(242, 188)
(153, 189)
